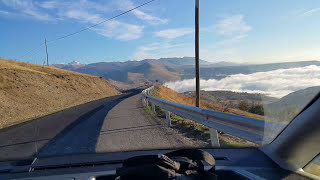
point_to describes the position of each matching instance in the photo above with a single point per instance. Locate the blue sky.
(238, 31)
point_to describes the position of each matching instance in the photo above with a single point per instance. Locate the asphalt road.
(112, 124)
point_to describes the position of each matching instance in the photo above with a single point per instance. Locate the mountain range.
(135, 73)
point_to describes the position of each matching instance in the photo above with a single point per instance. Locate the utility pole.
(197, 53)
(45, 42)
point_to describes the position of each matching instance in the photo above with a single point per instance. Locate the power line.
(101, 22)
(32, 50)
(87, 28)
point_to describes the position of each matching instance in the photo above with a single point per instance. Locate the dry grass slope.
(29, 90)
(170, 95)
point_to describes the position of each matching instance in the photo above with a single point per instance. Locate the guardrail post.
(214, 138)
(153, 108)
(143, 101)
(168, 118)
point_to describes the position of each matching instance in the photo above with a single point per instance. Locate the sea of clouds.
(276, 83)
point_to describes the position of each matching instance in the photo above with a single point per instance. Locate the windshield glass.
(72, 74)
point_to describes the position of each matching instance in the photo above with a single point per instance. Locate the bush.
(257, 109)
(253, 108)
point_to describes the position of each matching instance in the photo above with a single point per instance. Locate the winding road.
(112, 124)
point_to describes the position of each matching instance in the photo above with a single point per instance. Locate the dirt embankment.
(29, 90)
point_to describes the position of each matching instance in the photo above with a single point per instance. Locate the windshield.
(72, 74)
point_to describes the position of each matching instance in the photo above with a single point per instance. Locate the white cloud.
(233, 31)
(119, 30)
(310, 12)
(233, 25)
(49, 4)
(127, 4)
(81, 15)
(6, 13)
(84, 5)
(113, 29)
(149, 18)
(230, 54)
(276, 83)
(174, 33)
(233, 40)
(161, 50)
(85, 11)
(28, 8)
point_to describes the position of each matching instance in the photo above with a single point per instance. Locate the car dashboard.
(243, 163)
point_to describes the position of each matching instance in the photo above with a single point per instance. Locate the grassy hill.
(29, 90)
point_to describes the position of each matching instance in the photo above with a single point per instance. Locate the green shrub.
(257, 109)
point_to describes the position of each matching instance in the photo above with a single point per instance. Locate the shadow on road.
(81, 135)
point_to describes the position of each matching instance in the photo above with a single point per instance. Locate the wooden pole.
(45, 42)
(197, 53)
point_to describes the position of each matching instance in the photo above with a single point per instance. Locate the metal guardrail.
(255, 130)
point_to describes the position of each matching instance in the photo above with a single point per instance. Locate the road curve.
(117, 123)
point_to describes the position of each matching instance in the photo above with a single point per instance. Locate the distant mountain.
(69, 66)
(190, 61)
(224, 64)
(290, 105)
(211, 72)
(132, 73)
(185, 61)
(135, 73)
(75, 63)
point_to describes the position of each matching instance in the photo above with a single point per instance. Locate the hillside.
(28, 90)
(170, 95)
(130, 73)
(233, 98)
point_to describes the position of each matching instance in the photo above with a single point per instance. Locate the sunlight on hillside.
(29, 90)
